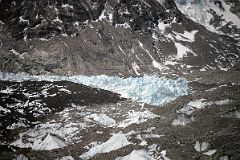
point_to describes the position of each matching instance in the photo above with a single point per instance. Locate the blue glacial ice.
(148, 89)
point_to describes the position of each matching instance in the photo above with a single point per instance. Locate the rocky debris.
(23, 104)
(78, 128)
(235, 113)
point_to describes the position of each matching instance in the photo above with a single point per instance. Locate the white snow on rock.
(163, 156)
(65, 90)
(232, 114)
(49, 143)
(136, 68)
(184, 115)
(49, 136)
(143, 143)
(67, 6)
(117, 141)
(201, 104)
(201, 146)
(182, 51)
(192, 106)
(186, 36)
(66, 158)
(20, 123)
(162, 26)
(102, 119)
(210, 152)
(149, 136)
(45, 142)
(102, 16)
(124, 25)
(221, 102)
(8, 90)
(182, 119)
(158, 65)
(152, 148)
(4, 110)
(137, 155)
(224, 158)
(137, 118)
(148, 89)
(21, 157)
(155, 63)
(201, 12)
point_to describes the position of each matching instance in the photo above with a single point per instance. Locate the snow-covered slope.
(215, 15)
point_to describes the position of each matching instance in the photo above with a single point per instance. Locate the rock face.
(48, 18)
(108, 37)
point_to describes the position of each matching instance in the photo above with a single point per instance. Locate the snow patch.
(136, 68)
(162, 26)
(102, 119)
(154, 62)
(158, 65)
(124, 25)
(201, 146)
(8, 90)
(137, 155)
(186, 36)
(20, 123)
(117, 141)
(182, 119)
(66, 158)
(182, 51)
(210, 152)
(102, 16)
(67, 6)
(137, 118)
(17, 53)
(49, 143)
(21, 157)
(65, 90)
(4, 110)
(149, 136)
(201, 104)
(49, 136)
(232, 114)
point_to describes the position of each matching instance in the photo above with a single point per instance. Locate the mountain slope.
(114, 38)
(177, 63)
(221, 16)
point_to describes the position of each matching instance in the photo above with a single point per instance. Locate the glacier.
(149, 89)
